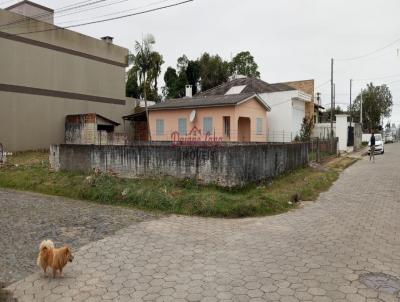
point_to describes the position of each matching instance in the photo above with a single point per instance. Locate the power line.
(116, 13)
(91, 8)
(378, 78)
(62, 9)
(106, 20)
(370, 53)
(323, 84)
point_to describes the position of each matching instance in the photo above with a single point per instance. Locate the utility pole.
(332, 98)
(332, 106)
(361, 104)
(351, 116)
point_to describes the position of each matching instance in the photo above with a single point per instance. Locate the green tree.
(193, 74)
(207, 71)
(377, 104)
(306, 129)
(146, 67)
(213, 71)
(132, 86)
(174, 84)
(243, 63)
(337, 110)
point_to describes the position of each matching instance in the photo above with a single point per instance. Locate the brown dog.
(49, 256)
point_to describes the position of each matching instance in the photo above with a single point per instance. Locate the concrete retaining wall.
(225, 165)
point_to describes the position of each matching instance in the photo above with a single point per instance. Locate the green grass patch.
(29, 171)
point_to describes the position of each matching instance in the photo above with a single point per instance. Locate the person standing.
(372, 147)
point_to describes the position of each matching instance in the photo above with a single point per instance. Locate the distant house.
(288, 102)
(240, 117)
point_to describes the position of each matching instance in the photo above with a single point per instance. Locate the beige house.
(48, 73)
(228, 118)
(288, 104)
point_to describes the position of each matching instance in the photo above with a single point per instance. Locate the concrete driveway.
(322, 252)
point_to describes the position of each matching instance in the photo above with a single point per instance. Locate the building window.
(227, 126)
(159, 127)
(208, 125)
(260, 125)
(182, 126)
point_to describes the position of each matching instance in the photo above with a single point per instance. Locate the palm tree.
(147, 66)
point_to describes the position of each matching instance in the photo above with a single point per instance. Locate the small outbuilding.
(92, 129)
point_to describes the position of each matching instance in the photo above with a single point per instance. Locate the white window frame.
(182, 131)
(259, 126)
(207, 119)
(160, 127)
(227, 126)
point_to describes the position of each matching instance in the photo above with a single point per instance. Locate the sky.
(289, 39)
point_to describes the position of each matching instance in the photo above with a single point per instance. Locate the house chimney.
(108, 39)
(189, 92)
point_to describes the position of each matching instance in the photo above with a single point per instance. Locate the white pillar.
(341, 131)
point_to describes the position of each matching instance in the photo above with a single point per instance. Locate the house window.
(159, 127)
(227, 126)
(260, 125)
(208, 125)
(182, 126)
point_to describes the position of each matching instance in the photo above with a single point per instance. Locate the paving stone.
(316, 253)
(27, 218)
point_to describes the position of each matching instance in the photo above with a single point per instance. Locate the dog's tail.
(45, 245)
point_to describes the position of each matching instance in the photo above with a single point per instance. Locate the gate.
(350, 136)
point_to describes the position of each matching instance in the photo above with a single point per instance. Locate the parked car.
(389, 138)
(379, 145)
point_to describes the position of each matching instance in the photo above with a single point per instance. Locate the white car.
(388, 138)
(379, 145)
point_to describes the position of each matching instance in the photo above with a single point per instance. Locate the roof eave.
(259, 99)
(190, 107)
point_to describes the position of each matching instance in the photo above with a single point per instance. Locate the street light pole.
(361, 105)
(332, 92)
(351, 116)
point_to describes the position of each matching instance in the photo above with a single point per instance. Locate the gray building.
(48, 73)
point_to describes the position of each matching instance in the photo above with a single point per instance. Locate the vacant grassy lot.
(29, 171)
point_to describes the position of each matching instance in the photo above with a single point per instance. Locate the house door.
(244, 132)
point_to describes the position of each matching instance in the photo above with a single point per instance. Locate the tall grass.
(170, 195)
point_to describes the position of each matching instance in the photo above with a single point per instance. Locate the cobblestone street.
(316, 253)
(26, 219)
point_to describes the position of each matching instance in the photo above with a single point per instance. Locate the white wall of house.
(286, 116)
(342, 131)
(323, 130)
(298, 114)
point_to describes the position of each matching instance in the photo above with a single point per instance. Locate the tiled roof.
(253, 85)
(207, 101)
